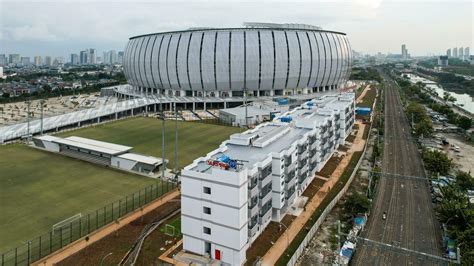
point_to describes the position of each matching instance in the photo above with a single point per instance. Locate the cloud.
(37, 32)
(373, 25)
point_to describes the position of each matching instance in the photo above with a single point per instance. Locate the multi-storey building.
(48, 61)
(232, 194)
(38, 61)
(74, 59)
(14, 59)
(3, 60)
(25, 61)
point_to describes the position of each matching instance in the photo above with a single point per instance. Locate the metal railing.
(43, 245)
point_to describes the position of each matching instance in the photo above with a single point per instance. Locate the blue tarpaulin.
(360, 220)
(363, 110)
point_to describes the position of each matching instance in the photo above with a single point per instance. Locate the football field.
(39, 189)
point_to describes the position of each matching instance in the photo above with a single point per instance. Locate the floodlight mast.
(163, 165)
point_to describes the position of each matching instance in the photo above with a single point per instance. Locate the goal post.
(65, 223)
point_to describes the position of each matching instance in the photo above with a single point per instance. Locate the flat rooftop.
(255, 145)
(88, 144)
(141, 158)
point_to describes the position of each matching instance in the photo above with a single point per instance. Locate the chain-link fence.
(63, 235)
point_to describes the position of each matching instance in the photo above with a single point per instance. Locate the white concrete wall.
(50, 146)
(123, 163)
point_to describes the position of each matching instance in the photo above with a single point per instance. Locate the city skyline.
(373, 25)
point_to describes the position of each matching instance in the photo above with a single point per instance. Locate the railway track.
(410, 222)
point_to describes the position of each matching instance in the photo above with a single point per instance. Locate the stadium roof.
(93, 145)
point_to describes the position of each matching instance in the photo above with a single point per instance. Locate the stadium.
(264, 59)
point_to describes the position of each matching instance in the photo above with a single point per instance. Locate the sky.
(62, 27)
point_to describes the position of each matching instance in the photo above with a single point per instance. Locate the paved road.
(410, 219)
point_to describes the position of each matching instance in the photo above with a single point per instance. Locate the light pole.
(102, 261)
(176, 142)
(28, 102)
(163, 165)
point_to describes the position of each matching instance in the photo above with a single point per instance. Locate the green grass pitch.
(39, 189)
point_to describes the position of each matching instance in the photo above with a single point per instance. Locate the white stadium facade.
(214, 68)
(264, 59)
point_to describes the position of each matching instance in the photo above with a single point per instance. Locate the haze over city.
(59, 28)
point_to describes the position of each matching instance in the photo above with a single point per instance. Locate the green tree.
(417, 111)
(464, 181)
(356, 203)
(424, 128)
(464, 122)
(437, 162)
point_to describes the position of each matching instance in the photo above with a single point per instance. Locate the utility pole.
(176, 142)
(245, 104)
(41, 121)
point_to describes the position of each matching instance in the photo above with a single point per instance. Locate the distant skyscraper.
(113, 57)
(404, 51)
(25, 61)
(455, 52)
(461, 52)
(467, 53)
(14, 59)
(92, 56)
(38, 61)
(83, 57)
(448, 52)
(3, 60)
(74, 59)
(120, 57)
(104, 57)
(110, 57)
(48, 61)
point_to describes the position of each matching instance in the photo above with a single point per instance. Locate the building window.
(207, 210)
(207, 230)
(207, 190)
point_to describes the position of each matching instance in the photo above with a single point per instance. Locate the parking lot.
(460, 151)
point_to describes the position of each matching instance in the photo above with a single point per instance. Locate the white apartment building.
(229, 196)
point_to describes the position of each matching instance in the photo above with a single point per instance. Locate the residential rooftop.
(253, 146)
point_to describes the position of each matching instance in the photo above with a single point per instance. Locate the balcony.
(302, 177)
(291, 182)
(266, 207)
(291, 167)
(253, 202)
(265, 172)
(290, 192)
(302, 163)
(253, 182)
(266, 180)
(254, 209)
(289, 176)
(265, 190)
(252, 225)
